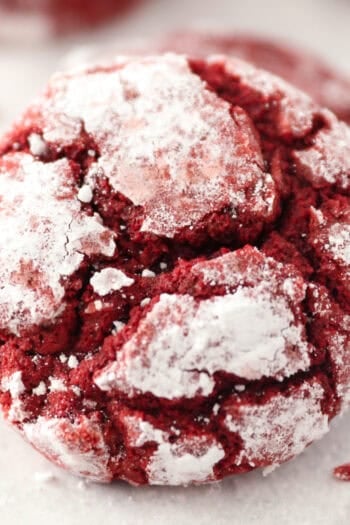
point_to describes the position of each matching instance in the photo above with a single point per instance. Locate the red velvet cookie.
(64, 15)
(328, 87)
(175, 249)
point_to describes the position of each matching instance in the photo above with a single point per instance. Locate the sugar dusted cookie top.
(173, 290)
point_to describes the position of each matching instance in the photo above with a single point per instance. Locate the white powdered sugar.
(78, 447)
(148, 273)
(339, 242)
(72, 362)
(339, 351)
(188, 460)
(85, 194)
(281, 428)
(98, 305)
(13, 384)
(250, 265)
(332, 241)
(57, 385)
(145, 302)
(327, 161)
(17, 412)
(37, 145)
(181, 343)
(76, 390)
(296, 108)
(336, 340)
(40, 390)
(44, 238)
(118, 325)
(166, 142)
(110, 280)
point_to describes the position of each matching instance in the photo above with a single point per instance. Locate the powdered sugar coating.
(109, 280)
(200, 335)
(181, 343)
(37, 145)
(60, 440)
(331, 242)
(57, 385)
(13, 384)
(17, 412)
(281, 428)
(72, 362)
(296, 108)
(328, 160)
(54, 237)
(178, 151)
(176, 463)
(339, 350)
(334, 331)
(85, 194)
(250, 266)
(339, 242)
(40, 390)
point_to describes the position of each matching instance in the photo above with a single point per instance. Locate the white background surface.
(32, 491)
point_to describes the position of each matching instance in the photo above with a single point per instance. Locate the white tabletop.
(32, 491)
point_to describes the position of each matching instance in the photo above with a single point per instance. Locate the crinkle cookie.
(175, 259)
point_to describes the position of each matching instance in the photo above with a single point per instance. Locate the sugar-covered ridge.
(50, 240)
(280, 428)
(339, 242)
(182, 342)
(240, 334)
(297, 109)
(328, 160)
(61, 440)
(332, 241)
(175, 463)
(208, 359)
(13, 384)
(165, 141)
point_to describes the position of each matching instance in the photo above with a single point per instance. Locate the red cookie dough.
(328, 87)
(174, 302)
(64, 15)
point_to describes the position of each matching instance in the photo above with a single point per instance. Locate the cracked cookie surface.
(174, 300)
(324, 83)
